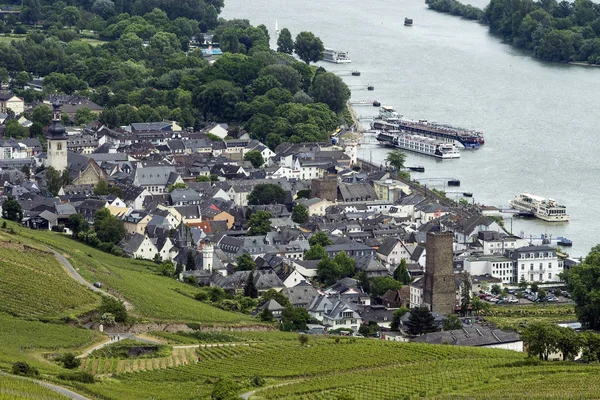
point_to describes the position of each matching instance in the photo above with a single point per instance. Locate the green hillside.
(15, 388)
(35, 285)
(153, 296)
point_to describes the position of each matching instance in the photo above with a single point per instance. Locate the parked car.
(565, 294)
(98, 285)
(512, 300)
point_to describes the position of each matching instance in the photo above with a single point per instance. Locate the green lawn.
(153, 296)
(92, 42)
(35, 285)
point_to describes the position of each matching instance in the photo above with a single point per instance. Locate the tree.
(496, 289)
(478, 306)
(24, 369)
(55, 179)
(225, 389)
(12, 210)
(396, 318)
(259, 223)
(329, 88)
(272, 294)
(569, 343)
(203, 178)
(303, 339)
(369, 329)
(13, 129)
(299, 214)
(466, 293)
(294, 318)
(70, 361)
(523, 284)
(583, 282)
(316, 252)
(590, 346)
(381, 284)
(166, 269)
(401, 273)
(250, 288)
(36, 130)
(70, 16)
(308, 47)
(285, 43)
(328, 272)
(109, 229)
(101, 188)
(174, 186)
(255, 157)
(83, 116)
(115, 307)
(245, 263)
(190, 262)
(267, 193)
(78, 223)
(396, 159)
(320, 238)
(266, 315)
(541, 339)
(42, 114)
(4, 76)
(451, 323)
(534, 287)
(420, 321)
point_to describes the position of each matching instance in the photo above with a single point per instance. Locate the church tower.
(57, 142)
(208, 251)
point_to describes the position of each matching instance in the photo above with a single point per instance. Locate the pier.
(364, 103)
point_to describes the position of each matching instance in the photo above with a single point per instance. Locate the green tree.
(70, 361)
(308, 47)
(84, 115)
(166, 269)
(401, 273)
(329, 88)
(590, 346)
(12, 210)
(316, 252)
(320, 238)
(420, 321)
(225, 389)
(250, 288)
(583, 282)
(115, 307)
(36, 130)
(272, 294)
(255, 157)
(259, 223)
(267, 193)
(203, 178)
(523, 284)
(466, 293)
(174, 186)
(12, 129)
(109, 229)
(78, 223)
(541, 339)
(285, 43)
(479, 306)
(451, 323)
(534, 287)
(24, 369)
(396, 159)
(245, 263)
(295, 318)
(496, 289)
(327, 271)
(303, 339)
(299, 214)
(101, 188)
(569, 343)
(266, 315)
(346, 265)
(4, 76)
(381, 284)
(397, 317)
(70, 16)
(42, 114)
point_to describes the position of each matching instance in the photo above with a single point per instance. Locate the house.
(136, 222)
(139, 246)
(416, 292)
(9, 101)
(496, 243)
(219, 130)
(370, 265)
(392, 251)
(315, 205)
(352, 249)
(134, 196)
(343, 314)
(235, 283)
(319, 305)
(185, 197)
(155, 179)
(396, 298)
(478, 336)
(273, 306)
(356, 192)
(390, 189)
(536, 264)
(300, 295)
(379, 314)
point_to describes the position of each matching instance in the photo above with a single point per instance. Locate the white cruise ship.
(334, 56)
(418, 144)
(541, 207)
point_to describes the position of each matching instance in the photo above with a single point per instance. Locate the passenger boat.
(408, 21)
(542, 208)
(418, 144)
(334, 56)
(563, 241)
(390, 119)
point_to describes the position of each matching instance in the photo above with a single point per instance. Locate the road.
(116, 337)
(58, 389)
(75, 275)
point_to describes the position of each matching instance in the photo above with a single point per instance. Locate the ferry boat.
(542, 208)
(390, 119)
(418, 144)
(334, 56)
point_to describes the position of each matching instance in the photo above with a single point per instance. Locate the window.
(531, 266)
(549, 275)
(549, 265)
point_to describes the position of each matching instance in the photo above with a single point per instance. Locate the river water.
(540, 119)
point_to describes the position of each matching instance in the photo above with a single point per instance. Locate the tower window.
(59, 146)
(49, 145)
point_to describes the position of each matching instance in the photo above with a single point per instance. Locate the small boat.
(563, 241)
(355, 73)
(370, 87)
(408, 21)
(453, 182)
(417, 168)
(467, 194)
(276, 28)
(376, 103)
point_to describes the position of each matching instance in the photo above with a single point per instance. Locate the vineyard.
(34, 285)
(15, 388)
(512, 317)
(153, 296)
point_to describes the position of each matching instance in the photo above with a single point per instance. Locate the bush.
(79, 376)
(115, 307)
(303, 339)
(201, 296)
(70, 361)
(24, 369)
(258, 381)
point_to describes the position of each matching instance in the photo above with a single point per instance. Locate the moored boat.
(418, 144)
(408, 21)
(543, 208)
(334, 56)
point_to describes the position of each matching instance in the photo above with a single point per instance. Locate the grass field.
(514, 317)
(35, 285)
(15, 388)
(153, 296)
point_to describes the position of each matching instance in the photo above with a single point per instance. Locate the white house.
(11, 102)
(342, 315)
(219, 130)
(392, 251)
(416, 292)
(139, 246)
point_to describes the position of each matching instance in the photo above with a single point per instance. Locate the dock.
(364, 102)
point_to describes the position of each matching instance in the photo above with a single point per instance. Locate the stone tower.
(207, 249)
(57, 142)
(438, 291)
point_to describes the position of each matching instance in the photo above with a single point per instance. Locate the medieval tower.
(208, 252)
(57, 142)
(438, 292)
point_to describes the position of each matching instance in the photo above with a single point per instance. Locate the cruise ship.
(542, 208)
(418, 144)
(334, 56)
(389, 119)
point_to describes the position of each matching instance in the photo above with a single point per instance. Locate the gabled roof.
(470, 336)
(387, 245)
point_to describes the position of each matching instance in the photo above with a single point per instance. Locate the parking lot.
(526, 297)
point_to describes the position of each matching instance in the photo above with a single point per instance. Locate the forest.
(134, 59)
(552, 31)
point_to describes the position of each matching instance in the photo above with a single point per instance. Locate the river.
(539, 119)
